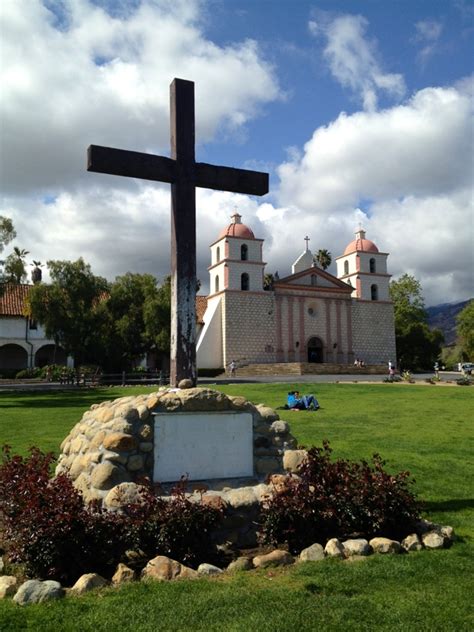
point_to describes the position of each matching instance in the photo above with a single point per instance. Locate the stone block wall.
(374, 332)
(248, 321)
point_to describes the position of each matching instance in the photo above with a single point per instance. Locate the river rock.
(88, 582)
(275, 558)
(36, 591)
(313, 553)
(162, 568)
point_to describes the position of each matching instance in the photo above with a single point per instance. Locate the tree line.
(114, 324)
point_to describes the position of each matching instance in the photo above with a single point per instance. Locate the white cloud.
(411, 168)
(105, 80)
(428, 33)
(353, 59)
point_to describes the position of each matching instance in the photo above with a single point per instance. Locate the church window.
(217, 283)
(244, 281)
(374, 293)
(314, 279)
(244, 252)
(372, 265)
(346, 267)
(218, 254)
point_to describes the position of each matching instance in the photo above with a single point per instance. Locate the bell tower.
(364, 268)
(236, 259)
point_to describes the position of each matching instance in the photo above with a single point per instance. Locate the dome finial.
(236, 217)
(360, 232)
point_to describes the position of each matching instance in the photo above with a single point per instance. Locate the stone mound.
(113, 444)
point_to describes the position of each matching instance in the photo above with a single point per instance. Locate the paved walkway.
(267, 379)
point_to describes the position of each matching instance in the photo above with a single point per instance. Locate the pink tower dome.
(360, 244)
(237, 229)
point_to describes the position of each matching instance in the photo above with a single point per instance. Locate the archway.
(315, 350)
(50, 354)
(13, 357)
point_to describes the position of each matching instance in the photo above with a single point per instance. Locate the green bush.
(26, 374)
(339, 499)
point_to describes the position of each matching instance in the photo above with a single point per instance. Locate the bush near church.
(339, 499)
(48, 528)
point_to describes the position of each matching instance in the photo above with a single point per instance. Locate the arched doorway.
(50, 354)
(13, 357)
(315, 350)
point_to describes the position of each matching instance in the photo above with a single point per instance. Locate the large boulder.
(162, 568)
(36, 591)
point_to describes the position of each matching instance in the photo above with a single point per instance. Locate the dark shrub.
(338, 499)
(49, 530)
(26, 374)
(174, 527)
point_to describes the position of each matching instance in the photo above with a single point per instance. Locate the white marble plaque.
(202, 445)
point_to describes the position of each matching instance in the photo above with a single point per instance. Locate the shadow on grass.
(455, 504)
(64, 398)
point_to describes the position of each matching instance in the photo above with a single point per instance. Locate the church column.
(302, 347)
(340, 353)
(226, 249)
(350, 352)
(329, 352)
(291, 340)
(279, 350)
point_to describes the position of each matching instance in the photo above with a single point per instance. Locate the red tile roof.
(201, 305)
(12, 301)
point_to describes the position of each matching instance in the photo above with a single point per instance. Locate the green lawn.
(426, 429)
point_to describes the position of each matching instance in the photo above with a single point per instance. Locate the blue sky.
(360, 111)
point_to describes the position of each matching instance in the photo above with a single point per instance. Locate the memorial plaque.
(203, 446)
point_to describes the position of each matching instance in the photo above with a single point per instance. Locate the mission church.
(309, 317)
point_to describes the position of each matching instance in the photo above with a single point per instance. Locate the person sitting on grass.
(307, 402)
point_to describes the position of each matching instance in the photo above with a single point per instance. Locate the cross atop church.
(184, 174)
(307, 239)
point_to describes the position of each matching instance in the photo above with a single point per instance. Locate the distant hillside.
(444, 317)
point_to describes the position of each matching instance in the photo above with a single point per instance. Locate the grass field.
(425, 429)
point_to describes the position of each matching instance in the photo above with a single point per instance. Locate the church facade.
(308, 316)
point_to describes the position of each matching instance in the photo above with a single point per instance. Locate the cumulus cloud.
(85, 76)
(410, 168)
(353, 59)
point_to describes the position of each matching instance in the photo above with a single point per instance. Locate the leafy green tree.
(465, 331)
(7, 234)
(69, 307)
(268, 282)
(15, 266)
(157, 315)
(418, 347)
(323, 259)
(408, 302)
(7, 231)
(126, 336)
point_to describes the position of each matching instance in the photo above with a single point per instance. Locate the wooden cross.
(184, 174)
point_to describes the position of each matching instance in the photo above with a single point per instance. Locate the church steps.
(306, 368)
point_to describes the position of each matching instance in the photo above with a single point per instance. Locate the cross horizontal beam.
(134, 164)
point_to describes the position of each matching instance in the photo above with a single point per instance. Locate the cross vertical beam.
(184, 175)
(183, 234)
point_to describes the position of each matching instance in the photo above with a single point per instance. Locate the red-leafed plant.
(47, 527)
(338, 499)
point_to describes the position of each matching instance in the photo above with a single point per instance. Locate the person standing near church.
(232, 367)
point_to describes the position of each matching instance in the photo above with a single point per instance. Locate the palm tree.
(323, 259)
(15, 265)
